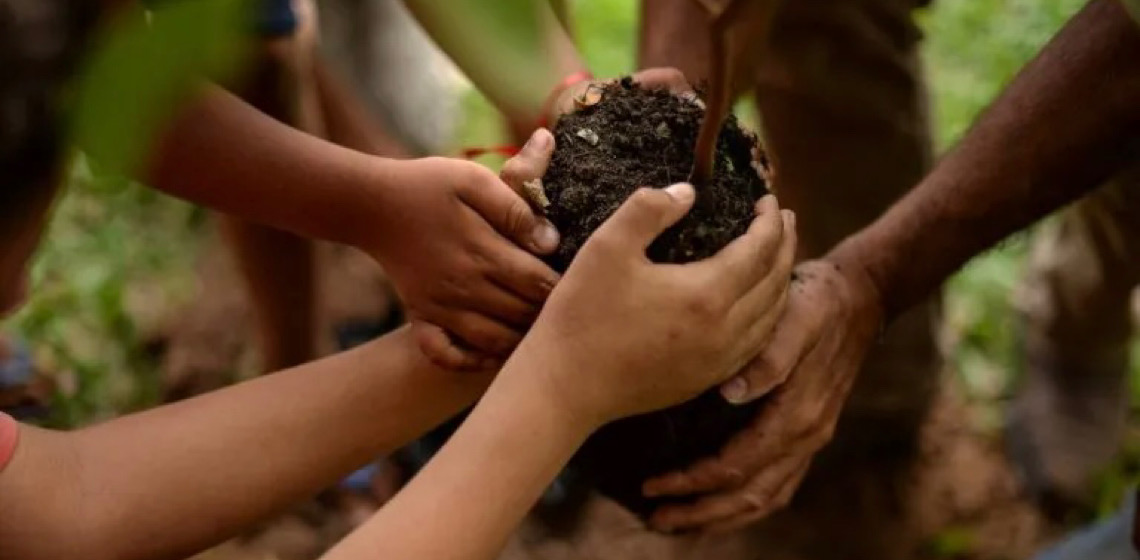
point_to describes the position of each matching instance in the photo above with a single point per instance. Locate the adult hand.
(460, 246)
(621, 335)
(832, 318)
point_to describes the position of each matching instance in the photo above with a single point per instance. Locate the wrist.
(853, 257)
(546, 377)
(366, 218)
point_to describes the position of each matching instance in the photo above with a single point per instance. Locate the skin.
(451, 219)
(238, 455)
(554, 392)
(1041, 145)
(290, 81)
(244, 452)
(428, 221)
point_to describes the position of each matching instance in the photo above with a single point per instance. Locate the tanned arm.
(1069, 121)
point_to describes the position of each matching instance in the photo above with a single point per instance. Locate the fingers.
(671, 79)
(780, 500)
(646, 214)
(438, 347)
(481, 333)
(798, 331)
(493, 299)
(518, 271)
(756, 316)
(528, 166)
(748, 259)
(509, 214)
(706, 475)
(756, 499)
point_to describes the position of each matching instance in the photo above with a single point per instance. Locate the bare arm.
(222, 153)
(427, 221)
(1069, 120)
(171, 481)
(514, 59)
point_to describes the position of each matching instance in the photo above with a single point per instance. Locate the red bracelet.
(543, 119)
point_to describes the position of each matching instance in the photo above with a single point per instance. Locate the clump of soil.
(635, 137)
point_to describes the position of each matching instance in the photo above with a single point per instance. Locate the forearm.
(223, 154)
(481, 485)
(516, 61)
(168, 482)
(1068, 121)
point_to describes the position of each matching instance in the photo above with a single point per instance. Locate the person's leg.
(279, 267)
(1068, 419)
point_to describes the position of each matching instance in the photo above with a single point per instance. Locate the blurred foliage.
(114, 251)
(146, 63)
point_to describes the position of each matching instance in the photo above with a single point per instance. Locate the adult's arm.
(1067, 122)
(168, 482)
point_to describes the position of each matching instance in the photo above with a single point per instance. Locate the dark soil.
(637, 137)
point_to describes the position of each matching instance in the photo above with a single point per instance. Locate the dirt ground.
(963, 492)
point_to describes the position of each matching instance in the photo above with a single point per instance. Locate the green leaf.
(147, 63)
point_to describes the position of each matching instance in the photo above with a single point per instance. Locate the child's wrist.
(541, 376)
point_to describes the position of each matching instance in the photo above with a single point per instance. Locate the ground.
(117, 312)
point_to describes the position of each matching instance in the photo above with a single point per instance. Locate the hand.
(460, 246)
(621, 335)
(576, 96)
(832, 318)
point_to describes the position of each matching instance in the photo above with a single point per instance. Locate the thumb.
(511, 216)
(648, 213)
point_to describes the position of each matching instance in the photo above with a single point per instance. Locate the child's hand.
(574, 97)
(621, 335)
(460, 246)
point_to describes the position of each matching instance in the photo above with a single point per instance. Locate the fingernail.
(681, 192)
(539, 140)
(735, 391)
(546, 237)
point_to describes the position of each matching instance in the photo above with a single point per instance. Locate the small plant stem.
(717, 98)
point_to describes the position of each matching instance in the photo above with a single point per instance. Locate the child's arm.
(619, 336)
(456, 240)
(520, 56)
(171, 481)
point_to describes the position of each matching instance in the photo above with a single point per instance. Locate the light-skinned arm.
(169, 482)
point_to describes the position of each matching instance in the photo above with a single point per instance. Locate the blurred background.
(122, 265)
